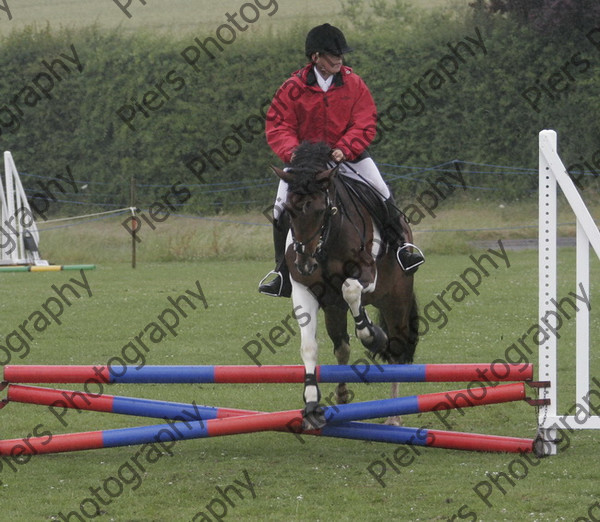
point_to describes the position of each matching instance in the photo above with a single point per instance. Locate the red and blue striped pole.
(372, 373)
(430, 438)
(61, 400)
(279, 421)
(456, 399)
(228, 422)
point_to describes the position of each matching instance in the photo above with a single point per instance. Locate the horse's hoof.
(394, 421)
(342, 395)
(313, 417)
(378, 342)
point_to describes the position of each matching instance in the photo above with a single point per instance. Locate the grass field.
(317, 479)
(180, 16)
(450, 228)
(288, 479)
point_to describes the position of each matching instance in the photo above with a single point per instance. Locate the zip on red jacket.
(344, 117)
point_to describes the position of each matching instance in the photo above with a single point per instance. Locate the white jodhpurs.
(364, 170)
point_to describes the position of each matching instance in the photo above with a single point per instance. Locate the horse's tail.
(402, 344)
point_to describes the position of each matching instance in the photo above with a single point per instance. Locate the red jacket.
(344, 117)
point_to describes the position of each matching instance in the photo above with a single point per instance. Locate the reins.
(353, 199)
(322, 232)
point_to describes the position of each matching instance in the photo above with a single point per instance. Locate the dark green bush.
(480, 117)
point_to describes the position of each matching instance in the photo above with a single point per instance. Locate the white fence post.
(553, 174)
(17, 220)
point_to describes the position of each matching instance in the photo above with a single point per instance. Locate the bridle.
(300, 247)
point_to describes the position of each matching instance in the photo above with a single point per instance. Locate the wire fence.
(97, 197)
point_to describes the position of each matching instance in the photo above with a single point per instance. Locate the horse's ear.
(326, 177)
(285, 176)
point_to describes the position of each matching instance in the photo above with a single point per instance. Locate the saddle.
(388, 218)
(367, 196)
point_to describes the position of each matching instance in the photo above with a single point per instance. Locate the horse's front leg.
(307, 307)
(372, 336)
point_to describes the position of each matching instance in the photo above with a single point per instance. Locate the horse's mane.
(309, 160)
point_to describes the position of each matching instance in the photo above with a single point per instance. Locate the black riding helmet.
(326, 39)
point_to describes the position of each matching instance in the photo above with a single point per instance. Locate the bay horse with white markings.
(338, 261)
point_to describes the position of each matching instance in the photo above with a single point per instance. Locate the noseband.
(300, 247)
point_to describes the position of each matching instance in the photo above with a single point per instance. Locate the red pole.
(274, 374)
(208, 422)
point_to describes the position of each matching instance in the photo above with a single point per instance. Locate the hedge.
(435, 105)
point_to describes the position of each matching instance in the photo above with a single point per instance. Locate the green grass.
(198, 17)
(320, 479)
(454, 227)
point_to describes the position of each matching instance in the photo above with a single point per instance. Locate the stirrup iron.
(413, 267)
(262, 283)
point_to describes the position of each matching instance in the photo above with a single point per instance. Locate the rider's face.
(327, 63)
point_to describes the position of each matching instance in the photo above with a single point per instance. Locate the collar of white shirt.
(323, 83)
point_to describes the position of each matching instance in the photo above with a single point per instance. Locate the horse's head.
(309, 202)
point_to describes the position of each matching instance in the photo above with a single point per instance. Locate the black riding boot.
(394, 235)
(280, 285)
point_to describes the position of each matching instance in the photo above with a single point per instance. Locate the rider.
(327, 101)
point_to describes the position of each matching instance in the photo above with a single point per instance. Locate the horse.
(338, 261)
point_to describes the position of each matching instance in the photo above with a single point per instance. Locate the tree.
(551, 17)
